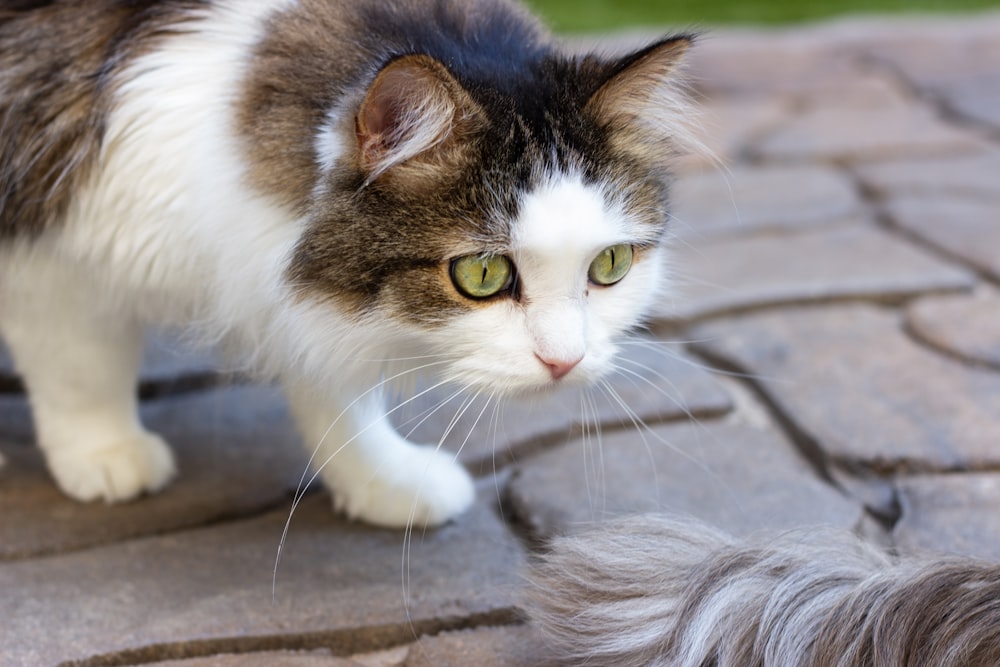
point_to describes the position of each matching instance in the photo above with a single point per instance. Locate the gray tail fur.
(653, 590)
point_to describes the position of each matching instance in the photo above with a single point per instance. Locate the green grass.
(593, 15)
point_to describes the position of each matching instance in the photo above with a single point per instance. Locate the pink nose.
(559, 367)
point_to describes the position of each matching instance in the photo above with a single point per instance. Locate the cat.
(669, 591)
(339, 194)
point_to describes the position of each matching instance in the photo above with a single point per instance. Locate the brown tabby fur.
(62, 58)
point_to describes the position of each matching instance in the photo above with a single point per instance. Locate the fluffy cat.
(338, 192)
(663, 591)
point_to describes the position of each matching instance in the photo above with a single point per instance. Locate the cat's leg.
(79, 360)
(374, 473)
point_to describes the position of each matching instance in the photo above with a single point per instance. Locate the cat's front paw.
(421, 487)
(117, 472)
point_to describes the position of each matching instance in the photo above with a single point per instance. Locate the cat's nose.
(559, 367)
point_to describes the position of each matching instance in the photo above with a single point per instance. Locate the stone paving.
(830, 355)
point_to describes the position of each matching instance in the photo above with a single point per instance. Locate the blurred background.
(594, 15)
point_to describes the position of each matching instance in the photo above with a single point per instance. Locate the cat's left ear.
(413, 114)
(641, 99)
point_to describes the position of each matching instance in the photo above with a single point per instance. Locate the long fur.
(294, 180)
(656, 590)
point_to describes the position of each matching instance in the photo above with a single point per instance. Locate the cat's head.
(510, 228)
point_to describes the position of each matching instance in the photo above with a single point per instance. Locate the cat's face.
(511, 239)
(585, 271)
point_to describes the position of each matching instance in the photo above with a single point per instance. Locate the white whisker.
(665, 348)
(587, 401)
(300, 489)
(640, 426)
(428, 413)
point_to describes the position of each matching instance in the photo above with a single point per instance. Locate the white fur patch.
(169, 217)
(563, 226)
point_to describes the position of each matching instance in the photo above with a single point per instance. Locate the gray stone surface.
(727, 127)
(654, 382)
(966, 326)
(974, 176)
(960, 74)
(854, 261)
(746, 199)
(851, 379)
(508, 646)
(849, 135)
(350, 586)
(963, 227)
(237, 452)
(748, 64)
(262, 659)
(975, 97)
(951, 513)
(698, 469)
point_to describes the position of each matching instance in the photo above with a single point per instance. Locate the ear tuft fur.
(412, 107)
(644, 101)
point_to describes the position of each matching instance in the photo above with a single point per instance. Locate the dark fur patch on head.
(520, 110)
(58, 67)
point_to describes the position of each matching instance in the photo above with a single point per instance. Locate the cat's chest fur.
(344, 193)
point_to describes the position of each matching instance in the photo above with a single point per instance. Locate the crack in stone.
(340, 643)
(11, 385)
(883, 299)
(156, 388)
(937, 100)
(220, 519)
(923, 341)
(885, 220)
(520, 450)
(805, 443)
(881, 217)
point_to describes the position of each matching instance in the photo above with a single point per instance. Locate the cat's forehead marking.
(564, 213)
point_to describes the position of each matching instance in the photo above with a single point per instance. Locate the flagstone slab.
(507, 646)
(237, 453)
(845, 134)
(774, 62)
(750, 198)
(733, 476)
(964, 227)
(652, 382)
(854, 261)
(975, 97)
(961, 73)
(974, 176)
(950, 513)
(341, 585)
(964, 325)
(851, 380)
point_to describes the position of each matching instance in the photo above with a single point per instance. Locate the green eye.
(611, 265)
(481, 276)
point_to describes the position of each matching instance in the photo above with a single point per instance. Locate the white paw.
(120, 471)
(419, 487)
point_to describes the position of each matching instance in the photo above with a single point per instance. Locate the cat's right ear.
(642, 100)
(415, 111)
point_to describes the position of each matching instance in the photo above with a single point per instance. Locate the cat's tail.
(653, 590)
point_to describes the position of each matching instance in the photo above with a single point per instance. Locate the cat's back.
(279, 65)
(58, 66)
